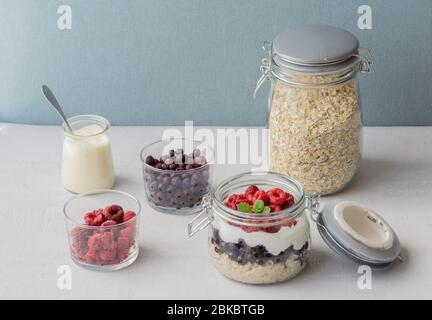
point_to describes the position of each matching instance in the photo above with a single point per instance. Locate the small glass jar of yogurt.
(257, 248)
(87, 158)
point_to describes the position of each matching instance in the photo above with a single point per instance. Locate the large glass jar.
(315, 123)
(257, 248)
(87, 158)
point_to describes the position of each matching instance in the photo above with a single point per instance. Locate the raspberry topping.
(256, 201)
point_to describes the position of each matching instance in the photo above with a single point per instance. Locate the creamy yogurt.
(87, 160)
(275, 243)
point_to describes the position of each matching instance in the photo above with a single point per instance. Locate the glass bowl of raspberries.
(102, 229)
(177, 175)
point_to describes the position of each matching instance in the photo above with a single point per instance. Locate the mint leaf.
(244, 207)
(266, 209)
(258, 206)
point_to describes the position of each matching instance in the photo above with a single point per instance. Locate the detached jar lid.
(358, 233)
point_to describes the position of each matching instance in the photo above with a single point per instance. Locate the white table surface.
(395, 180)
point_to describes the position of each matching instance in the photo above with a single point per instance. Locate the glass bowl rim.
(96, 192)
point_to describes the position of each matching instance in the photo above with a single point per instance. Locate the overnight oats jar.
(87, 158)
(102, 228)
(177, 175)
(315, 122)
(256, 245)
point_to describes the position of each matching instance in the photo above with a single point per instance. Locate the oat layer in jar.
(315, 116)
(256, 246)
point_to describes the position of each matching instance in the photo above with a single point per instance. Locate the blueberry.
(170, 189)
(175, 181)
(160, 196)
(153, 186)
(169, 161)
(196, 153)
(195, 177)
(150, 160)
(186, 182)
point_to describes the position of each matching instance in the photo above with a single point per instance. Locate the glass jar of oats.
(315, 121)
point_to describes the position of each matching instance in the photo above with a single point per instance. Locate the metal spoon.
(52, 99)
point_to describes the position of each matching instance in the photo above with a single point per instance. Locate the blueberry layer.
(241, 253)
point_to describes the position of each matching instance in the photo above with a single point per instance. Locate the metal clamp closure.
(202, 220)
(265, 67)
(366, 63)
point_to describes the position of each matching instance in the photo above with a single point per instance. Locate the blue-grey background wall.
(160, 62)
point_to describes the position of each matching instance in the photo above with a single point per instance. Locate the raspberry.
(232, 198)
(95, 242)
(107, 240)
(108, 223)
(128, 233)
(98, 220)
(290, 224)
(271, 229)
(109, 254)
(91, 257)
(128, 216)
(111, 210)
(118, 217)
(251, 190)
(275, 208)
(261, 195)
(277, 196)
(90, 216)
(230, 205)
(123, 246)
(241, 198)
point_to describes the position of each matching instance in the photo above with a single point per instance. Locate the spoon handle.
(52, 99)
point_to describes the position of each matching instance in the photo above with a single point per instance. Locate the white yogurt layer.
(275, 243)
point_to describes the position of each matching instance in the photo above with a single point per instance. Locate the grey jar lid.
(315, 45)
(358, 233)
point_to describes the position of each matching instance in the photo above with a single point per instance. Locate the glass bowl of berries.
(259, 232)
(177, 175)
(102, 229)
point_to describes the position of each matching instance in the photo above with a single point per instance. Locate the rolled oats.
(315, 133)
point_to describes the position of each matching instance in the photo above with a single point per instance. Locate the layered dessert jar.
(177, 175)
(257, 246)
(102, 228)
